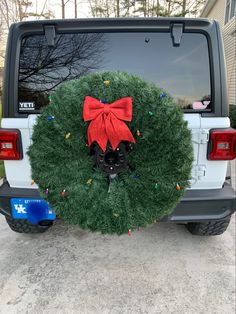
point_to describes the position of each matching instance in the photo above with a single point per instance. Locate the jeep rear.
(183, 56)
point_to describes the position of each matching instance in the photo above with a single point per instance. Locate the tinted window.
(183, 71)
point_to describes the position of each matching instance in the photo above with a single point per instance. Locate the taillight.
(222, 144)
(10, 145)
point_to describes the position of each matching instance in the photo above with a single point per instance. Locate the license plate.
(34, 210)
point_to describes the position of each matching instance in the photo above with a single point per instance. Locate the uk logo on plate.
(34, 210)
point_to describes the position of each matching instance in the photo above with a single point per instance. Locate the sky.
(55, 6)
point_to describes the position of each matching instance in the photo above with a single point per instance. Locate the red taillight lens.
(222, 145)
(10, 145)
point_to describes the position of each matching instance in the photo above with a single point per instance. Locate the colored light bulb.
(163, 95)
(67, 136)
(89, 182)
(106, 83)
(63, 193)
(177, 187)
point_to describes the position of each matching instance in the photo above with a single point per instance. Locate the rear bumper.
(204, 205)
(196, 205)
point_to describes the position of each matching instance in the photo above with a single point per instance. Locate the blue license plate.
(34, 210)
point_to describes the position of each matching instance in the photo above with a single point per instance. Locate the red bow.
(107, 121)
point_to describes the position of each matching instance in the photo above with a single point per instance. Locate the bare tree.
(76, 13)
(63, 8)
(103, 8)
(63, 4)
(43, 68)
(186, 7)
(117, 8)
(12, 11)
(18, 10)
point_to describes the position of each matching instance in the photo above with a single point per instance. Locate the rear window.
(182, 71)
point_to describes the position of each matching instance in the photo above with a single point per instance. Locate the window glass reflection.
(183, 71)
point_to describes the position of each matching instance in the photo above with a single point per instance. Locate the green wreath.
(155, 170)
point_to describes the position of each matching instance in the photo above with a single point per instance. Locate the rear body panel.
(18, 172)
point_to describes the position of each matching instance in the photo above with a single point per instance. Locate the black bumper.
(196, 205)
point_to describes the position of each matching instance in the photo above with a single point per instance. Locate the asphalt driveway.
(161, 269)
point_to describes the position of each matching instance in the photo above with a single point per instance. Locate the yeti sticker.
(26, 106)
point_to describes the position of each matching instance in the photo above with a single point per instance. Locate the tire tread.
(208, 228)
(23, 226)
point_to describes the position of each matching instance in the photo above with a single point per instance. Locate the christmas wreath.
(111, 152)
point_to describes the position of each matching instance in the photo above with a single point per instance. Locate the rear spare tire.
(111, 153)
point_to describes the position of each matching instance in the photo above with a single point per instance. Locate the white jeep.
(183, 56)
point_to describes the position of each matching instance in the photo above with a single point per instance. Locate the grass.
(2, 172)
(232, 115)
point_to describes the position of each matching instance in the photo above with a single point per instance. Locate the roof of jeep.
(109, 22)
